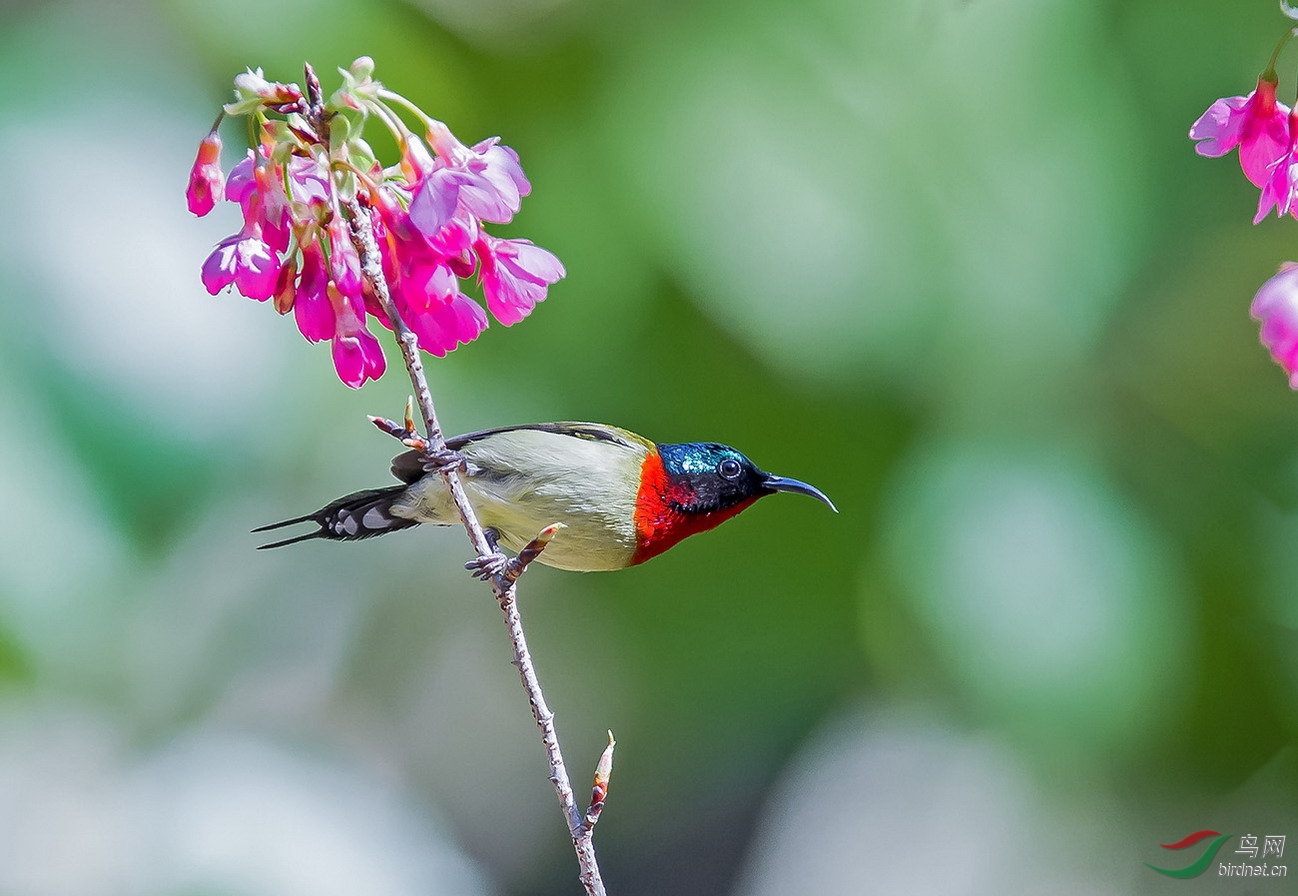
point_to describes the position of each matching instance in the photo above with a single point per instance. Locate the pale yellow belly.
(521, 482)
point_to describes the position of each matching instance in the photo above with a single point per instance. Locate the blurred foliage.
(953, 262)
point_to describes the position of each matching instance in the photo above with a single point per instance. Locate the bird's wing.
(409, 467)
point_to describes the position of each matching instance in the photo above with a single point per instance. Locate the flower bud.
(251, 90)
(206, 180)
(362, 68)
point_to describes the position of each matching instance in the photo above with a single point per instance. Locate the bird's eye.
(729, 468)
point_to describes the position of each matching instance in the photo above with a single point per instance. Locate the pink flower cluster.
(1265, 132)
(298, 243)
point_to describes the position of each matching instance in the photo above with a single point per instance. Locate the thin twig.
(503, 584)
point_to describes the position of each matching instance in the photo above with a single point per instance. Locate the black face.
(715, 477)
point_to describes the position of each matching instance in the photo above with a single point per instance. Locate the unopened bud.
(603, 771)
(362, 68)
(251, 90)
(286, 287)
(206, 180)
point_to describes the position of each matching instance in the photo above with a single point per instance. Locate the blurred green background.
(955, 263)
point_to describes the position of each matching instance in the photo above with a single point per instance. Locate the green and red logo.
(1199, 865)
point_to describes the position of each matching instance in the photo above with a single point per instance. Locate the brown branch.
(504, 579)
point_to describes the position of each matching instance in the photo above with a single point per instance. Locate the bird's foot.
(488, 566)
(443, 461)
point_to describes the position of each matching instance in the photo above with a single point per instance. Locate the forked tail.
(350, 518)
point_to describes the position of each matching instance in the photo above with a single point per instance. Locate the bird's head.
(695, 486)
(707, 478)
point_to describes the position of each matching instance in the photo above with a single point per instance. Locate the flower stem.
(1269, 74)
(392, 121)
(405, 104)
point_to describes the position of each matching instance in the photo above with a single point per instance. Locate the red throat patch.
(659, 524)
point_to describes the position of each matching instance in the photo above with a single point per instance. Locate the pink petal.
(267, 208)
(1264, 141)
(515, 275)
(218, 268)
(358, 357)
(434, 201)
(433, 337)
(470, 319)
(245, 261)
(307, 181)
(240, 184)
(456, 237)
(503, 161)
(1219, 128)
(532, 261)
(487, 200)
(312, 309)
(256, 268)
(344, 263)
(448, 324)
(1278, 190)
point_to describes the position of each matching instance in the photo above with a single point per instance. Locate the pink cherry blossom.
(492, 181)
(1256, 123)
(242, 259)
(1276, 306)
(515, 275)
(206, 180)
(312, 309)
(358, 358)
(447, 323)
(357, 355)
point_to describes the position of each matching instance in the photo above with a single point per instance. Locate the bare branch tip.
(390, 427)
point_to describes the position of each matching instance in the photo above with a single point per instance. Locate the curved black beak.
(783, 484)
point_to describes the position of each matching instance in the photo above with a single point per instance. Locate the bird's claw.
(488, 566)
(443, 461)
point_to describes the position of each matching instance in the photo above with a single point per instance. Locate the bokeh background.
(952, 261)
